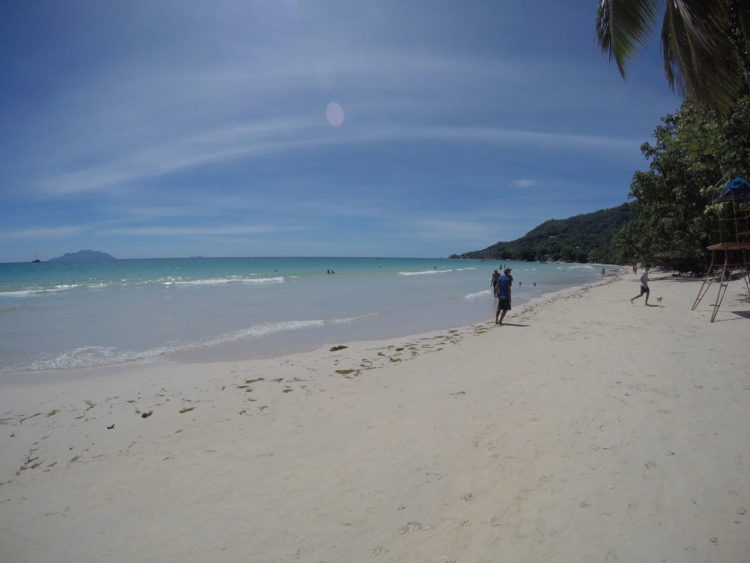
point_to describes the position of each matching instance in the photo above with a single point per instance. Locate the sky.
(172, 128)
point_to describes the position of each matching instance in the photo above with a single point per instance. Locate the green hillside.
(583, 238)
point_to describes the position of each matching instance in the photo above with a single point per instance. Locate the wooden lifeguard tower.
(731, 252)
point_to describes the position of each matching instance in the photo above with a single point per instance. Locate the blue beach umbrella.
(736, 190)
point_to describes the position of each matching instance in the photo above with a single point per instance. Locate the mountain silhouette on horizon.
(84, 256)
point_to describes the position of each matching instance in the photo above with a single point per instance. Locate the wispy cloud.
(45, 233)
(170, 156)
(280, 137)
(192, 231)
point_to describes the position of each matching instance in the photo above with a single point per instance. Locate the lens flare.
(335, 114)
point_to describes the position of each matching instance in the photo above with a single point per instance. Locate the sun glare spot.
(335, 114)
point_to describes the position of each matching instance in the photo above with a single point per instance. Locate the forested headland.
(583, 238)
(672, 217)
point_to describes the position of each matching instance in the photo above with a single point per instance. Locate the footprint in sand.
(412, 526)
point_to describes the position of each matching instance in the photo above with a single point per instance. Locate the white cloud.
(523, 183)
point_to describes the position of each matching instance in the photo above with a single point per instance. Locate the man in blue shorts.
(503, 293)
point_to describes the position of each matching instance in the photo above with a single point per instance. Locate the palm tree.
(706, 43)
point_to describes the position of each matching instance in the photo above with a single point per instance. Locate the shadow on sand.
(743, 314)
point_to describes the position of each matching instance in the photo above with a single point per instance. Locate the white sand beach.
(586, 429)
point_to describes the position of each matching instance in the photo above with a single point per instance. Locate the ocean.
(57, 315)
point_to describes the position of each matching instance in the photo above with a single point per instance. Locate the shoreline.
(585, 429)
(216, 318)
(207, 355)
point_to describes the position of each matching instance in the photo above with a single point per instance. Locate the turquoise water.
(63, 316)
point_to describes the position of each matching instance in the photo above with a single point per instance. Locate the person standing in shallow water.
(503, 293)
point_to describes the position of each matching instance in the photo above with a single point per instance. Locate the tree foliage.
(706, 44)
(583, 238)
(694, 155)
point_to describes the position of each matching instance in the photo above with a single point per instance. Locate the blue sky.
(309, 128)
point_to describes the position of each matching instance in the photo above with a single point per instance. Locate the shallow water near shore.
(62, 316)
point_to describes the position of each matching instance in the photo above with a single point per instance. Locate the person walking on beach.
(493, 283)
(503, 293)
(644, 286)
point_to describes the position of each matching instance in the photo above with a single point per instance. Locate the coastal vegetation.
(583, 238)
(695, 153)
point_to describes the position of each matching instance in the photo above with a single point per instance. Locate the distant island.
(583, 238)
(84, 256)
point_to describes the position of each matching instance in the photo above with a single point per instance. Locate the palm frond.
(700, 58)
(623, 25)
